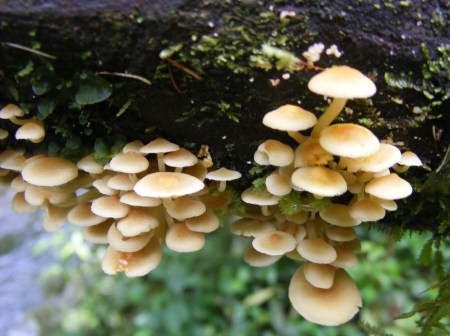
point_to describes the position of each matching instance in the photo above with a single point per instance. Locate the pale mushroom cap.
(10, 111)
(88, 164)
(164, 184)
(198, 170)
(129, 162)
(109, 207)
(133, 146)
(386, 156)
(18, 184)
(317, 251)
(278, 185)
(329, 307)
(389, 187)
(249, 227)
(223, 174)
(131, 198)
(342, 82)
(367, 210)
(185, 207)
(388, 205)
(55, 218)
(340, 234)
(409, 158)
(310, 153)
(138, 221)
(101, 185)
(32, 130)
(20, 205)
(319, 275)
(159, 145)
(82, 215)
(289, 118)
(262, 198)
(120, 181)
(339, 215)
(180, 239)
(320, 181)
(133, 264)
(278, 153)
(345, 258)
(97, 234)
(258, 259)
(37, 195)
(127, 244)
(180, 158)
(207, 222)
(349, 140)
(49, 171)
(274, 243)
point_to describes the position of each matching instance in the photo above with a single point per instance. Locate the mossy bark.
(217, 84)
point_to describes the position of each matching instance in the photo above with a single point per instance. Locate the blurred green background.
(213, 292)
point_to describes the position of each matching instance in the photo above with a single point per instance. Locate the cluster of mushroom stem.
(335, 160)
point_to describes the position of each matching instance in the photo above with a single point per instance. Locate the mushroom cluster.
(346, 169)
(30, 129)
(146, 196)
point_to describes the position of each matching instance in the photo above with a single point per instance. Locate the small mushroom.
(223, 175)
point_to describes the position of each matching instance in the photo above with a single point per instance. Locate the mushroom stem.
(169, 220)
(222, 186)
(265, 210)
(161, 165)
(18, 121)
(343, 162)
(178, 169)
(297, 136)
(400, 169)
(133, 178)
(310, 228)
(328, 116)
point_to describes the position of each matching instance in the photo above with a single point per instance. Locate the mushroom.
(275, 153)
(263, 199)
(179, 159)
(292, 119)
(311, 153)
(274, 243)
(109, 207)
(341, 83)
(223, 175)
(11, 112)
(205, 223)
(339, 215)
(89, 165)
(319, 275)
(386, 156)
(278, 185)
(320, 181)
(317, 251)
(127, 244)
(129, 163)
(408, 159)
(258, 259)
(249, 227)
(329, 307)
(159, 147)
(32, 130)
(49, 171)
(3, 134)
(180, 239)
(389, 187)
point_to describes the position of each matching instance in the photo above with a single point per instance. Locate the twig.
(127, 75)
(174, 83)
(30, 50)
(184, 68)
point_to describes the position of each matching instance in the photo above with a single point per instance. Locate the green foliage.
(92, 89)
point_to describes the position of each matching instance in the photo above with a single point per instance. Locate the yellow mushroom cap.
(185, 207)
(386, 156)
(262, 198)
(127, 244)
(180, 239)
(319, 275)
(345, 258)
(138, 221)
(133, 264)
(258, 259)
(129, 162)
(159, 145)
(339, 215)
(109, 207)
(101, 184)
(131, 198)
(82, 215)
(10, 111)
(389, 187)
(274, 243)
(180, 158)
(277, 153)
(207, 222)
(20, 205)
(97, 234)
(349, 140)
(55, 218)
(133, 146)
(89, 165)
(409, 158)
(310, 153)
(367, 210)
(49, 171)
(164, 184)
(223, 174)
(340, 234)
(278, 185)
(289, 118)
(342, 82)
(317, 251)
(120, 181)
(249, 227)
(320, 181)
(32, 130)
(330, 307)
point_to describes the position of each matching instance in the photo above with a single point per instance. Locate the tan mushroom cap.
(274, 243)
(138, 221)
(185, 207)
(81, 215)
(89, 165)
(386, 156)
(320, 181)
(97, 234)
(317, 251)
(20, 205)
(120, 181)
(127, 244)
(129, 162)
(32, 130)
(163, 184)
(349, 140)
(388, 205)
(39, 195)
(258, 259)
(248, 227)
(159, 145)
(262, 198)
(409, 158)
(101, 184)
(131, 198)
(310, 153)
(342, 82)
(289, 118)
(278, 185)
(55, 218)
(180, 239)
(277, 153)
(3, 134)
(133, 264)
(340, 234)
(11, 111)
(345, 257)
(329, 307)
(207, 222)
(223, 174)
(319, 275)
(339, 215)
(18, 184)
(389, 187)
(133, 146)
(49, 171)
(180, 158)
(109, 207)
(367, 210)
(198, 170)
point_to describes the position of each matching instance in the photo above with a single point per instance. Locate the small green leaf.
(92, 90)
(13, 92)
(45, 108)
(426, 253)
